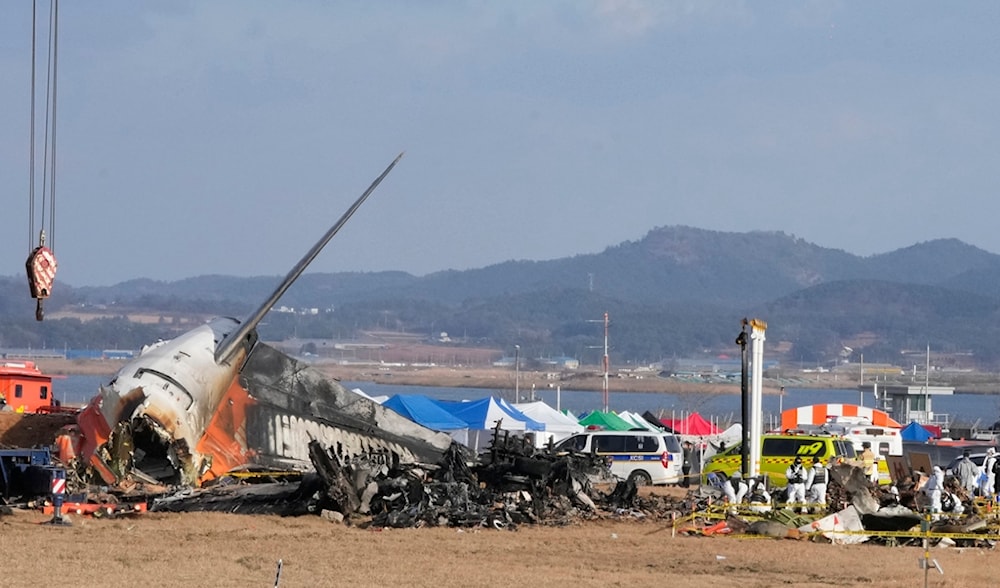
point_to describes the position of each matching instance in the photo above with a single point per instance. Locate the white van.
(885, 441)
(645, 457)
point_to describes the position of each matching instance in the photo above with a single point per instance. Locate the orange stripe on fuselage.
(96, 431)
(225, 440)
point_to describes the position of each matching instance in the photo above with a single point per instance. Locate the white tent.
(712, 444)
(484, 414)
(558, 426)
(376, 399)
(639, 422)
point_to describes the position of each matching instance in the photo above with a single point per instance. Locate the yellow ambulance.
(778, 451)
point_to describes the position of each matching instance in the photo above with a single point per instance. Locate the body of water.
(963, 409)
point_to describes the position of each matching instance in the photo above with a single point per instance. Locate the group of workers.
(806, 487)
(945, 495)
(969, 477)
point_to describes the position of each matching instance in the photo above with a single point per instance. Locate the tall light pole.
(517, 373)
(604, 388)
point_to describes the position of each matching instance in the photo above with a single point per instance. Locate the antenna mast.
(606, 365)
(604, 388)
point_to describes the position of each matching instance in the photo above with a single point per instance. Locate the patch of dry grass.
(199, 549)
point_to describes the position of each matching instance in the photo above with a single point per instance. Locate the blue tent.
(424, 411)
(915, 432)
(485, 412)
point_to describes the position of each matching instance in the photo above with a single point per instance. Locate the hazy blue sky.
(226, 136)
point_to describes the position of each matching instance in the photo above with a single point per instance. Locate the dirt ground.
(200, 549)
(18, 430)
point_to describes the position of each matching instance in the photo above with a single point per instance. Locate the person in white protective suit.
(933, 490)
(758, 497)
(735, 489)
(816, 482)
(967, 473)
(987, 478)
(951, 504)
(795, 491)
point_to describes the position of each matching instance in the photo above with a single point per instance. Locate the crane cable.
(41, 264)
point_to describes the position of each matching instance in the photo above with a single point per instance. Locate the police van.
(643, 456)
(778, 451)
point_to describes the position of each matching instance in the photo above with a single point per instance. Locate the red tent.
(694, 424)
(674, 425)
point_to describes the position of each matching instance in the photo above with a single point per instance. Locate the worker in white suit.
(933, 490)
(987, 478)
(816, 482)
(795, 492)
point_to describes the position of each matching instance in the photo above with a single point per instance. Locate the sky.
(226, 137)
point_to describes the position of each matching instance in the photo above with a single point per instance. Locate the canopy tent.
(693, 425)
(652, 418)
(558, 425)
(915, 432)
(376, 399)
(485, 413)
(818, 414)
(482, 416)
(638, 422)
(425, 411)
(605, 420)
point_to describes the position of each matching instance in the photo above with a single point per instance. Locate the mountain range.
(677, 292)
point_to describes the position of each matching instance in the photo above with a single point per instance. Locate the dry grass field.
(213, 549)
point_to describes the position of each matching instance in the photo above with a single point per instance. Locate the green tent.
(608, 421)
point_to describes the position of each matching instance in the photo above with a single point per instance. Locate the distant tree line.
(678, 292)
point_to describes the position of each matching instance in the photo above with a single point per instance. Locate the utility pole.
(604, 388)
(927, 384)
(742, 340)
(517, 373)
(606, 363)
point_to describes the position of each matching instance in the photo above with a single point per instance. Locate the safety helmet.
(798, 459)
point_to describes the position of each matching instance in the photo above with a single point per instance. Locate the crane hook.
(41, 267)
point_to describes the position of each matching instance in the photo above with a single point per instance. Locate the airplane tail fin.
(225, 349)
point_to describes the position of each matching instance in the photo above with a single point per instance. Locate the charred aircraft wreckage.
(188, 416)
(215, 399)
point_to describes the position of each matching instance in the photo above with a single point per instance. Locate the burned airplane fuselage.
(214, 400)
(170, 394)
(175, 415)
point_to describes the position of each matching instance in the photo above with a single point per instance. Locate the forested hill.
(675, 291)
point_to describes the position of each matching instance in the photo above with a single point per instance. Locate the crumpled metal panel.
(295, 403)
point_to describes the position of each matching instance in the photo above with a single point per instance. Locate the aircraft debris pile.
(509, 485)
(513, 483)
